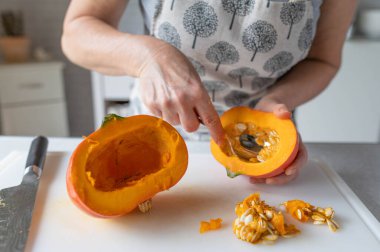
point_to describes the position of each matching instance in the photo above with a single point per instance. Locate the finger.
(210, 119)
(170, 117)
(256, 180)
(189, 120)
(281, 111)
(281, 179)
(155, 112)
(300, 161)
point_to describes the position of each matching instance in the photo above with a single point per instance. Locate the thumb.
(280, 110)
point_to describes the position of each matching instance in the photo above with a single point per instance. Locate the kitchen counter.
(357, 164)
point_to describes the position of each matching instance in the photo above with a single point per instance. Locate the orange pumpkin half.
(124, 163)
(277, 139)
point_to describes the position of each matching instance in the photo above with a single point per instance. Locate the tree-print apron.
(238, 47)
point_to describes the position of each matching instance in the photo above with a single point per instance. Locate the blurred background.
(42, 93)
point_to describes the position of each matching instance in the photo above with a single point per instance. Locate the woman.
(273, 55)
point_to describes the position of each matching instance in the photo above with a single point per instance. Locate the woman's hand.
(292, 171)
(171, 88)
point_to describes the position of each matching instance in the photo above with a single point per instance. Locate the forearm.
(305, 81)
(93, 44)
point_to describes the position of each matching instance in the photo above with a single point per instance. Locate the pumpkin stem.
(109, 118)
(232, 174)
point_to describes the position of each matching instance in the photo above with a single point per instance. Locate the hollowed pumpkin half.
(124, 163)
(286, 146)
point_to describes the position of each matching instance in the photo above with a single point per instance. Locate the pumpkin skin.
(275, 165)
(124, 163)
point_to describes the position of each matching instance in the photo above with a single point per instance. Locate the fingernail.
(269, 181)
(256, 180)
(290, 171)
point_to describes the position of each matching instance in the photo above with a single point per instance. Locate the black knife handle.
(37, 152)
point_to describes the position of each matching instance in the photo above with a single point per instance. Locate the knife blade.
(17, 203)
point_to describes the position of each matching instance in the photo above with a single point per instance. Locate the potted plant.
(14, 45)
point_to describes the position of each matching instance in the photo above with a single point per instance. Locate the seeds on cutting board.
(304, 211)
(258, 222)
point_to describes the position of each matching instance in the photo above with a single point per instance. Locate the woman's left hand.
(292, 171)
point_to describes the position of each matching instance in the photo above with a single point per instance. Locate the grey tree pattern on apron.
(280, 61)
(259, 37)
(239, 48)
(238, 7)
(306, 36)
(213, 86)
(292, 13)
(200, 20)
(172, 5)
(169, 33)
(236, 98)
(259, 84)
(222, 53)
(240, 73)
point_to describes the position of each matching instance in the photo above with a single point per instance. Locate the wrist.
(140, 50)
(268, 101)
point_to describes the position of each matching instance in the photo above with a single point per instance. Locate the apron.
(238, 47)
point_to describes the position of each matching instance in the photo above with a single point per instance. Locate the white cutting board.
(204, 192)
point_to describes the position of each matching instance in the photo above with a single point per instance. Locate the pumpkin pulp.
(127, 160)
(265, 138)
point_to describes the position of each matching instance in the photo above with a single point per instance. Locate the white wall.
(349, 109)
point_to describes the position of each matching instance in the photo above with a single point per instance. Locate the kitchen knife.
(17, 203)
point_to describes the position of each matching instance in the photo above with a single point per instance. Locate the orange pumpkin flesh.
(124, 163)
(285, 151)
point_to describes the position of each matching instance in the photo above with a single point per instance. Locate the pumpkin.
(275, 143)
(125, 163)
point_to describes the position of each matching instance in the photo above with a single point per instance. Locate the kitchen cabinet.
(32, 99)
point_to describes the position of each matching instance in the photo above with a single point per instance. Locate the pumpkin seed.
(270, 237)
(248, 219)
(269, 214)
(331, 225)
(299, 214)
(321, 210)
(329, 212)
(241, 127)
(305, 209)
(319, 222)
(263, 216)
(335, 223)
(317, 217)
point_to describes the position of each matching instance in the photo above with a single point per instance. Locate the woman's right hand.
(171, 88)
